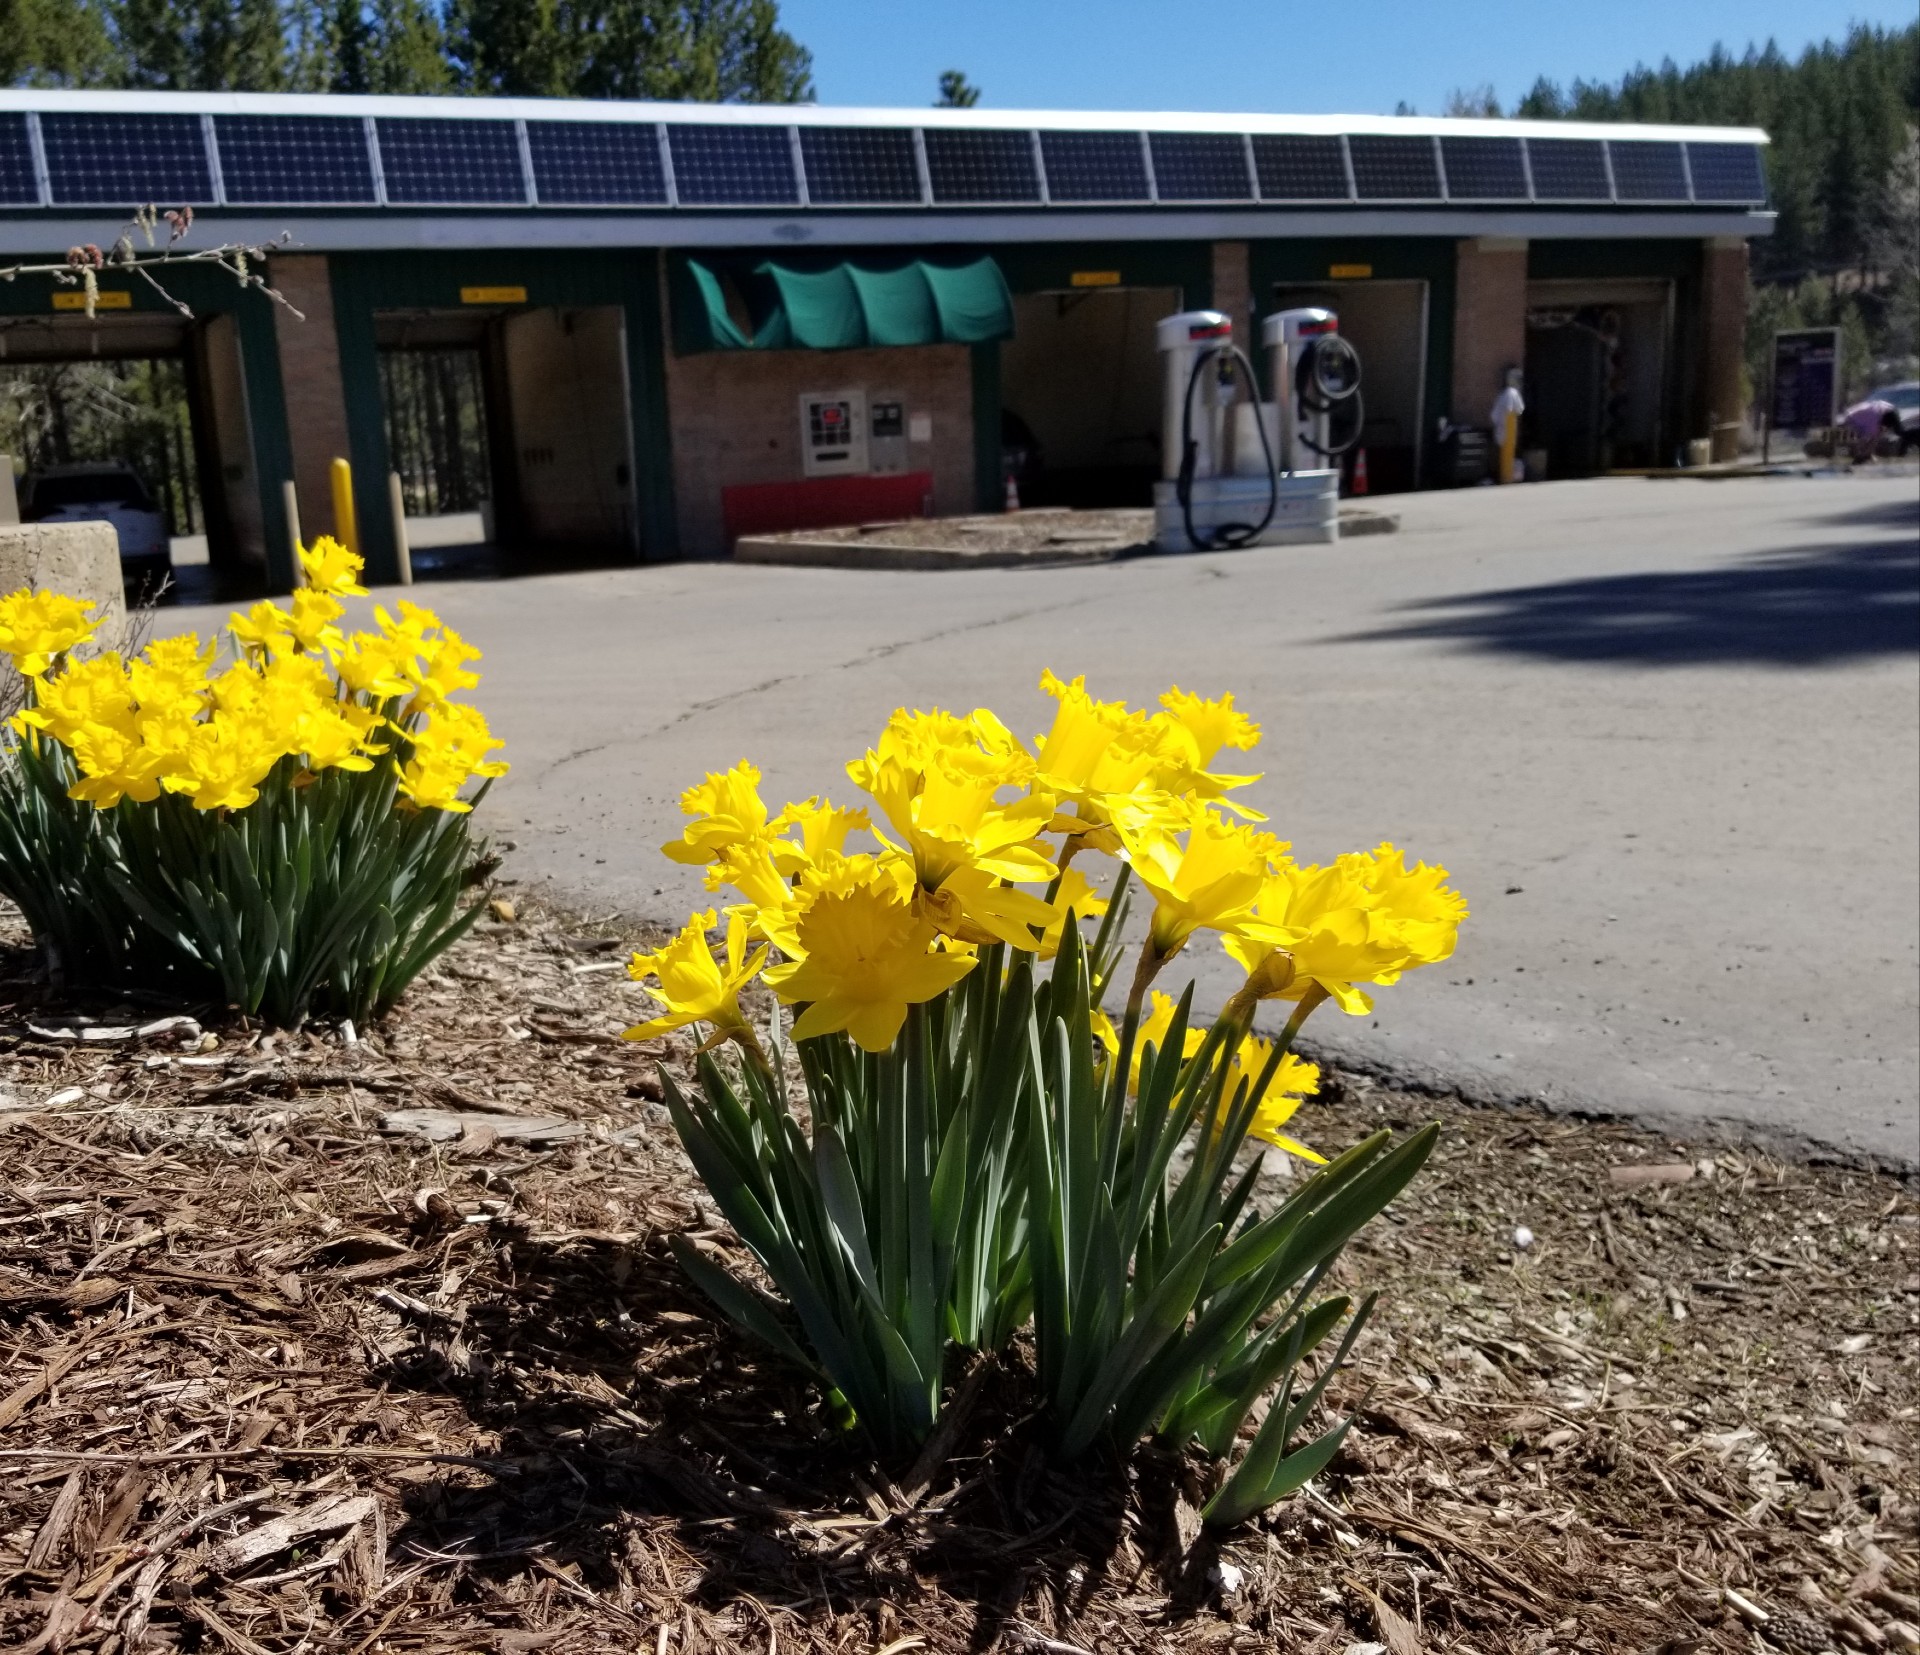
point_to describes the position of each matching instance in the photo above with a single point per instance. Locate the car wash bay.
(191, 404)
(519, 398)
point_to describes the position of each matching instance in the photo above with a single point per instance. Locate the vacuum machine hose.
(1328, 377)
(1224, 536)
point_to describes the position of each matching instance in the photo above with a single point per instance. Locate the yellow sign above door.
(1349, 272)
(108, 298)
(1096, 278)
(493, 295)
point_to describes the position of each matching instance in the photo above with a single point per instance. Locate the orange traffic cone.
(1013, 492)
(1360, 472)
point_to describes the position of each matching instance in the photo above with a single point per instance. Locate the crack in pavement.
(880, 652)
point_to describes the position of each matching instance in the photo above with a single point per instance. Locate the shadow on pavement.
(1778, 609)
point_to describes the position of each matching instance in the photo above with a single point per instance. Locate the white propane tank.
(1181, 340)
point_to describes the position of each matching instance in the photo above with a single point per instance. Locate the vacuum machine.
(1239, 471)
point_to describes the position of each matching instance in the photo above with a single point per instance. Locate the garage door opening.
(139, 421)
(1080, 393)
(1386, 322)
(510, 433)
(1596, 374)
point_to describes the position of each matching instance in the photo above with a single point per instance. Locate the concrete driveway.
(1666, 734)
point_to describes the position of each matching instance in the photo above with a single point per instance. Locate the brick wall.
(736, 419)
(1233, 290)
(1489, 322)
(310, 371)
(1723, 333)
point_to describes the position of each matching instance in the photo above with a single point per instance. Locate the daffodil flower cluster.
(176, 719)
(974, 836)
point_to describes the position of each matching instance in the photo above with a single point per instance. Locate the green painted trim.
(353, 309)
(989, 486)
(1598, 260)
(652, 416)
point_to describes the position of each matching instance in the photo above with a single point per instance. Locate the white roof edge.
(323, 103)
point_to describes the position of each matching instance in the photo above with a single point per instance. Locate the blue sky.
(1269, 55)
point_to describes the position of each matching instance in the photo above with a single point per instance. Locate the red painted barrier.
(823, 503)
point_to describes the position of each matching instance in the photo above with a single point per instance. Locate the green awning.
(844, 306)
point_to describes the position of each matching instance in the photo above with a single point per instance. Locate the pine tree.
(54, 43)
(710, 50)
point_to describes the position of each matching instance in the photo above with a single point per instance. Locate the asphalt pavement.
(1665, 734)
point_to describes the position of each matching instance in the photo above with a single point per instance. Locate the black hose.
(1307, 381)
(1224, 536)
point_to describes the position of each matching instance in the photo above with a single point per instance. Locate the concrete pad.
(1666, 738)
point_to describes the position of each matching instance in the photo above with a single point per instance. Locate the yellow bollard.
(345, 530)
(1509, 442)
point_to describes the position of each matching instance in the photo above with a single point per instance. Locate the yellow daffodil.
(171, 669)
(223, 762)
(374, 665)
(330, 567)
(867, 956)
(693, 985)
(311, 622)
(1365, 918)
(450, 748)
(36, 627)
(1192, 731)
(1293, 1082)
(95, 691)
(822, 828)
(265, 627)
(1203, 871)
(726, 810)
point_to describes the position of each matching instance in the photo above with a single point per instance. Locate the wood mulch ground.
(278, 1372)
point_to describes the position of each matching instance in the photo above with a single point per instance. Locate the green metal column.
(366, 417)
(989, 486)
(271, 439)
(650, 412)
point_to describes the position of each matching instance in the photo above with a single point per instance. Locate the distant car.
(105, 492)
(1900, 416)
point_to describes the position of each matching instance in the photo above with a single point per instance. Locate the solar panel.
(734, 166)
(848, 165)
(981, 166)
(1568, 169)
(1727, 172)
(1645, 170)
(597, 163)
(299, 158)
(17, 184)
(126, 160)
(1200, 166)
(429, 161)
(1387, 167)
(1484, 169)
(1094, 166)
(1291, 167)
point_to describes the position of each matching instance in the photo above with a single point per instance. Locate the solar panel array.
(1301, 168)
(318, 159)
(1201, 166)
(122, 160)
(596, 164)
(1095, 166)
(860, 166)
(979, 165)
(435, 162)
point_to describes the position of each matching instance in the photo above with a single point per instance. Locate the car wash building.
(637, 331)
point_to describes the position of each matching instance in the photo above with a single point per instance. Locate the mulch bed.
(303, 1346)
